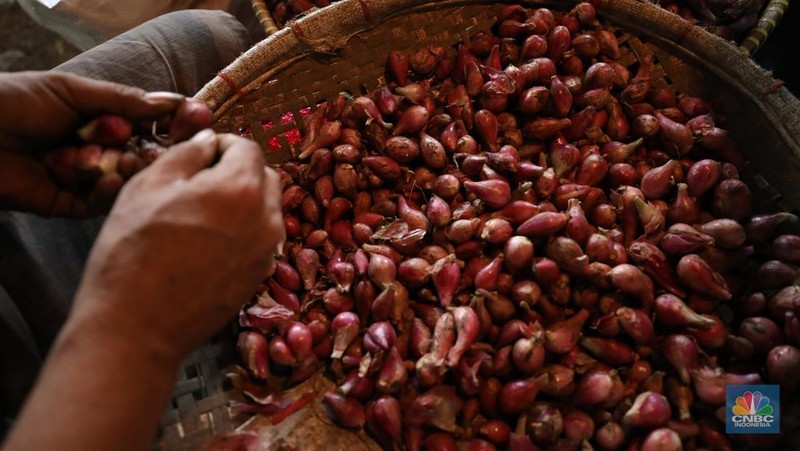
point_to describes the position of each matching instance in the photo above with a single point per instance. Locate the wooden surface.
(310, 428)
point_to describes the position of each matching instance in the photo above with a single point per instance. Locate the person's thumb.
(92, 97)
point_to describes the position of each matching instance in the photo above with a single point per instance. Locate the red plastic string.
(365, 8)
(227, 79)
(297, 30)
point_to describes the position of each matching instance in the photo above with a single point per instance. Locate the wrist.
(96, 332)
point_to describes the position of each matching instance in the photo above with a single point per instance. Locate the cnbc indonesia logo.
(752, 411)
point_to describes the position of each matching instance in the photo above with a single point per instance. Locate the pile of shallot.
(519, 244)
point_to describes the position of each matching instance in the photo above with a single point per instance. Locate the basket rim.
(768, 19)
(327, 29)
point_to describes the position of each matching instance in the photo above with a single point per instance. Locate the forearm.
(111, 370)
(98, 390)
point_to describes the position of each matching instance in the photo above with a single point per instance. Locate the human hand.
(43, 110)
(184, 246)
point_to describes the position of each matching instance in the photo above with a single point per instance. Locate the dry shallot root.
(519, 244)
(109, 153)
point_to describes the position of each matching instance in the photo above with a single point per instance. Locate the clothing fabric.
(41, 260)
(179, 51)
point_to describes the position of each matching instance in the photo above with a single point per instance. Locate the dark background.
(781, 52)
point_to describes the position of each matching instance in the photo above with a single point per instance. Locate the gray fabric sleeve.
(180, 51)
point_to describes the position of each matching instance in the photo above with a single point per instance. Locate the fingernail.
(204, 135)
(163, 97)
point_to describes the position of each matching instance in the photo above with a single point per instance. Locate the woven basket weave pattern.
(200, 400)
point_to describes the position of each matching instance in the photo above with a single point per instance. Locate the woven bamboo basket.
(344, 48)
(771, 14)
